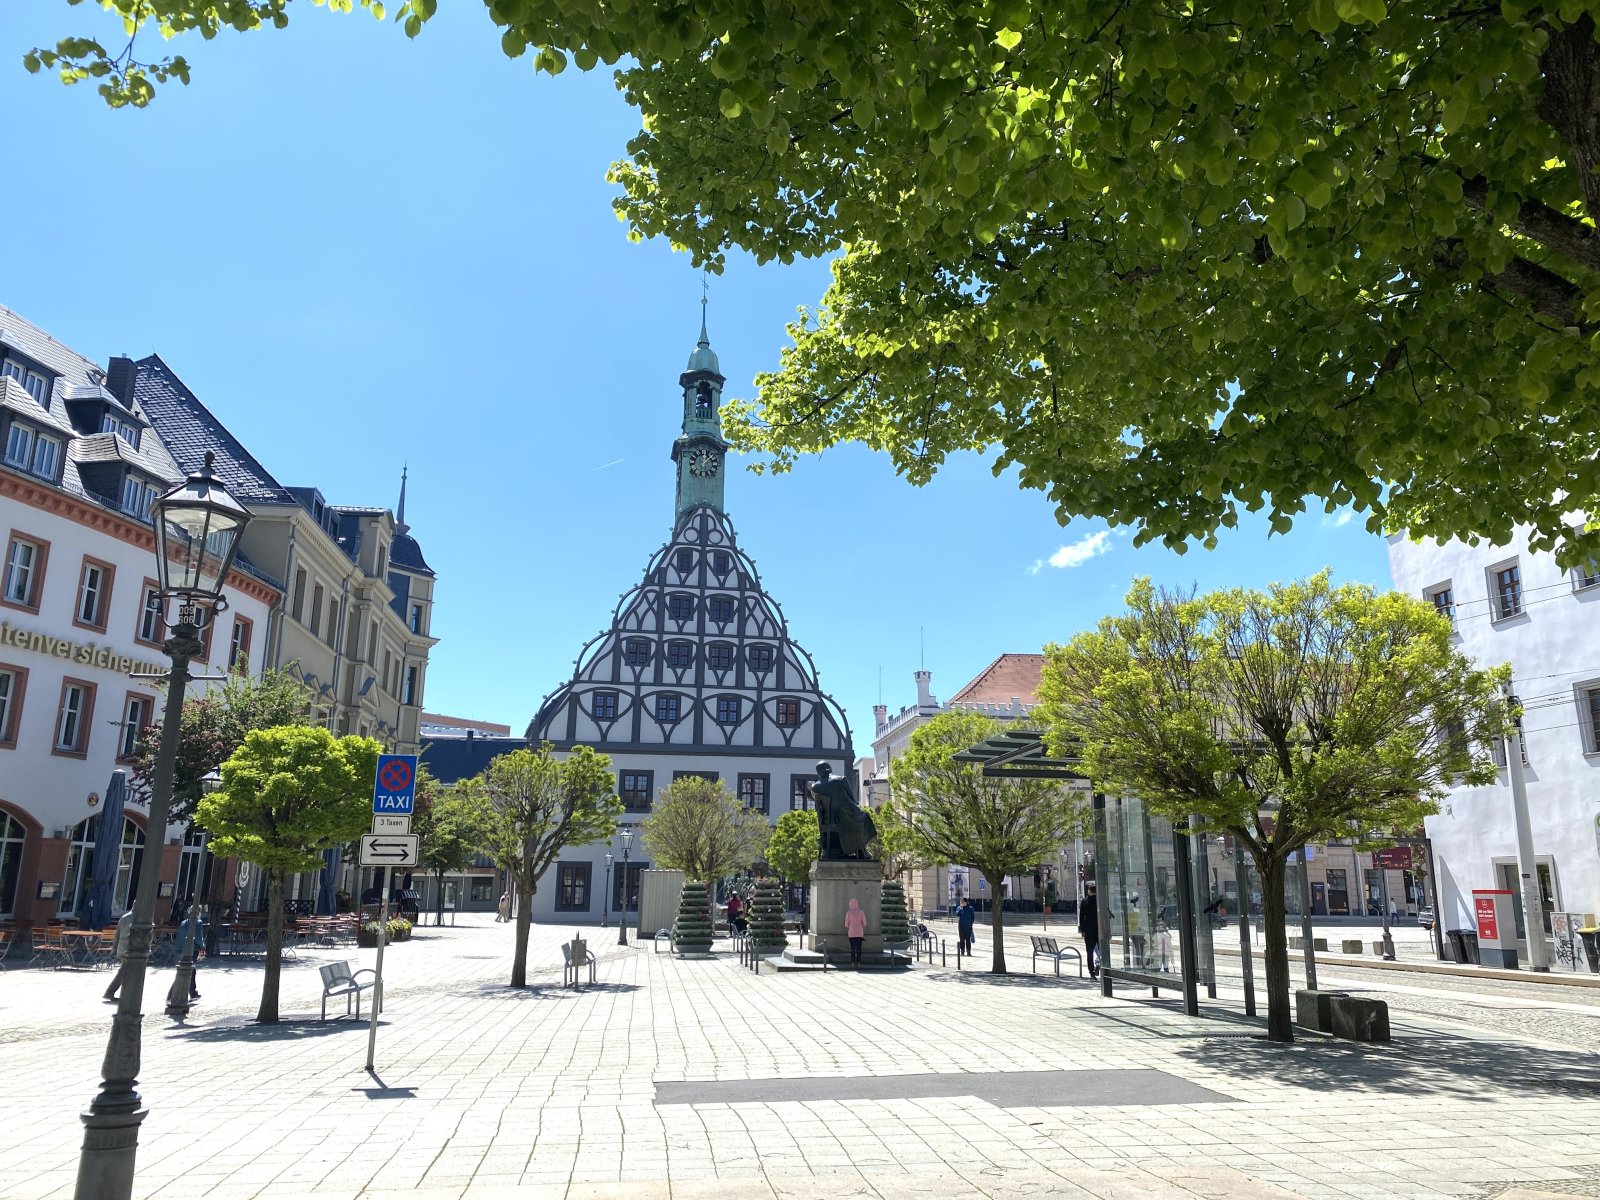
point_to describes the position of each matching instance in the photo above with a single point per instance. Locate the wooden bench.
(337, 980)
(1046, 947)
(571, 965)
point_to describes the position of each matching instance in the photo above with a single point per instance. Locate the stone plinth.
(833, 886)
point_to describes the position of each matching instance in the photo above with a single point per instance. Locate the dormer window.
(29, 450)
(137, 496)
(126, 430)
(35, 383)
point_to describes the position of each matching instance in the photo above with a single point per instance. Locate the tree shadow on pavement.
(292, 1029)
(1467, 1068)
(1011, 979)
(545, 990)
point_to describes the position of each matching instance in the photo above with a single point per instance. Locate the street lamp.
(622, 916)
(197, 528)
(183, 982)
(605, 913)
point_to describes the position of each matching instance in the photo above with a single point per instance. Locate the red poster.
(1488, 926)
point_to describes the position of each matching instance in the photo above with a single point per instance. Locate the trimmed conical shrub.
(691, 932)
(896, 925)
(766, 917)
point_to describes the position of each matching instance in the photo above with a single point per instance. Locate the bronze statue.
(845, 828)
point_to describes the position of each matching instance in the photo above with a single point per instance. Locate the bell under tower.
(699, 452)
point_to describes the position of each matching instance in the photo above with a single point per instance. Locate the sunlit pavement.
(802, 1084)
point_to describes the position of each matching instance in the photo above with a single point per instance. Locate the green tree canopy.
(538, 805)
(794, 845)
(1168, 260)
(288, 793)
(943, 811)
(452, 825)
(213, 726)
(698, 826)
(1295, 715)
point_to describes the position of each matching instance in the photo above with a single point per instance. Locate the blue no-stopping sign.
(395, 789)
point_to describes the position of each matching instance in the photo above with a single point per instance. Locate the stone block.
(1319, 944)
(1351, 945)
(1314, 1009)
(834, 883)
(1359, 1018)
(1297, 943)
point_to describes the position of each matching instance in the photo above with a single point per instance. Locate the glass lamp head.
(197, 527)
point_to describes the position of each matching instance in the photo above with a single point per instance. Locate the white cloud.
(1339, 521)
(1075, 554)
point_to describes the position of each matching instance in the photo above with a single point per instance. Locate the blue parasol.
(107, 854)
(327, 905)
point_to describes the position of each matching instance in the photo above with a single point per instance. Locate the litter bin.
(1469, 943)
(1458, 950)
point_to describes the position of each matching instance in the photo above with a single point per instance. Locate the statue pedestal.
(833, 885)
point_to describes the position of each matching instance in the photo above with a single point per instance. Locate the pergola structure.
(1021, 754)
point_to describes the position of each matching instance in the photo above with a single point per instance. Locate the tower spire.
(705, 295)
(400, 525)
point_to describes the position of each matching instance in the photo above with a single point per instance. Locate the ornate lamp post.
(622, 917)
(197, 528)
(178, 1004)
(605, 913)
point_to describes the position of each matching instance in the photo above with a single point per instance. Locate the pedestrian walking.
(734, 909)
(191, 941)
(966, 916)
(502, 910)
(855, 928)
(1089, 928)
(120, 949)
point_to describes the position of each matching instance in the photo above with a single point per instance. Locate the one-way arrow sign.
(390, 850)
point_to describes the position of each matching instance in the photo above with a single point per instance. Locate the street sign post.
(395, 787)
(390, 850)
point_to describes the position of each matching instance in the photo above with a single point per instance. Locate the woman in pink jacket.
(855, 928)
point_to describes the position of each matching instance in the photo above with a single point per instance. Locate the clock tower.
(699, 452)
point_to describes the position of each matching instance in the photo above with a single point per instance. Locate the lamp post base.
(179, 999)
(110, 1144)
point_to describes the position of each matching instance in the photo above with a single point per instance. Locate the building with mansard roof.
(696, 673)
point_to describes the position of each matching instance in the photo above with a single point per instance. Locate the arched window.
(191, 865)
(80, 861)
(12, 837)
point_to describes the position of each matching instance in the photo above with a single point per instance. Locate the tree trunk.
(269, 980)
(997, 964)
(519, 961)
(1280, 1015)
(438, 899)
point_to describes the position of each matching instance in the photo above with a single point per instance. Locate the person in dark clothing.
(965, 916)
(1089, 927)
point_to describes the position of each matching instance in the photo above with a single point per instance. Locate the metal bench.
(1047, 947)
(571, 966)
(337, 980)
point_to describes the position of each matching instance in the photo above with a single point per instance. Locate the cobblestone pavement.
(483, 1091)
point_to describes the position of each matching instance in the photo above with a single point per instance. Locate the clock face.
(703, 463)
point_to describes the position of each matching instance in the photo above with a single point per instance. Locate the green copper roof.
(703, 358)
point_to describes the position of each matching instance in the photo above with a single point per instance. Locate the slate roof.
(80, 379)
(1007, 676)
(452, 759)
(407, 555)
(189, 429)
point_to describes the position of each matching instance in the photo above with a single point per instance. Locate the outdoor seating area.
(1048, 947)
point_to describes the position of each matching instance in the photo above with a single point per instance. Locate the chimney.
(925, 691)
(880, 716)
(119, 380)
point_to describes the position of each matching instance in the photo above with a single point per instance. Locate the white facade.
(76, 623)
(1513, 606)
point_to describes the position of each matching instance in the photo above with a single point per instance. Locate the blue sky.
(363, 251)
